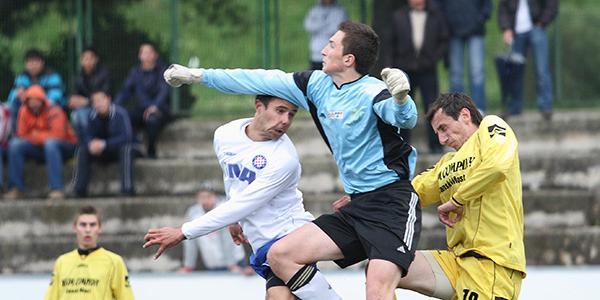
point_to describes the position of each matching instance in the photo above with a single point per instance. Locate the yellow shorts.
(478, 278)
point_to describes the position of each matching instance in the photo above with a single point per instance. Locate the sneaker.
(56, 195)
(14, 194)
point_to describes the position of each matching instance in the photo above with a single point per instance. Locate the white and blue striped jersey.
(261, 184)
(359, 121)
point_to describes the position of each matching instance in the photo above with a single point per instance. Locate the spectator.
(321, 22)
(109, 138)
(4, 136)
(145, 83)
(35, 72)
(217, 250)
(466, 20)
(90, 271)
(44, 134)
(92, 76)
(523, 24)
(417, 42)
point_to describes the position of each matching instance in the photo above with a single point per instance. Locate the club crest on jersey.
(259, 161)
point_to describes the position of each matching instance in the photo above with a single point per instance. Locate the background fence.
(252, 34)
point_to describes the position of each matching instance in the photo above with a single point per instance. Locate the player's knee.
(276, 255)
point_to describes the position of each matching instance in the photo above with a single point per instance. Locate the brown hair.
(452, 104)
(361, 41)
(87, 210)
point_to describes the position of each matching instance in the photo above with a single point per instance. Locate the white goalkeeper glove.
(176, 75)
(397, 83)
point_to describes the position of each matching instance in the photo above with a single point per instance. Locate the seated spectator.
(92, 76)
(108, 138)
(145, 83)
(44, 134)
(35, 72)
(217, 249)
(4, 135)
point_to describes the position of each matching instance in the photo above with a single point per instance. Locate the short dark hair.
(34, 53)
(99, 90)
(151, 44)
(361, 41)
(87, 210)
(90, 49)
(452, 104)
(264, 99)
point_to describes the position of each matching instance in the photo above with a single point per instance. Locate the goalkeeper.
(359, 117)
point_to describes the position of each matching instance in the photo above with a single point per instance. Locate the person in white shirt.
(261, 171)
(217, 251)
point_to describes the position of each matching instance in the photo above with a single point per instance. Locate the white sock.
(317, 288)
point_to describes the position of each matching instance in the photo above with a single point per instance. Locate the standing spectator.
(523, 24)
(145, 83)
(466, 19)
(321, 22)
(90, 271)
(417, 41)
(218, 251)
(44, 134)
(93, 76)
(108, 138)
(36, 72)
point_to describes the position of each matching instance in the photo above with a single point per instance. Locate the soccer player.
(479, 187)
(261, 171)
(359, 118)
(90, 271)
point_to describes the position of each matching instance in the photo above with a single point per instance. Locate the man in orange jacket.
(44, 134)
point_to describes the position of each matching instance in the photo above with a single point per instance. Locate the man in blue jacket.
(466, 20)
(109, 137)
(145, 83)
(35, 72)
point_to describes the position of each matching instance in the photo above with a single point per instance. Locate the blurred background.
(255, 34)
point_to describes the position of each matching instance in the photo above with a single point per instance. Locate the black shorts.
(381, 224)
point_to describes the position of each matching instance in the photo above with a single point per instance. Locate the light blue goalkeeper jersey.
(359, 121)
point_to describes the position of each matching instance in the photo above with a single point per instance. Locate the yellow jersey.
(100, 275)
(483, 177)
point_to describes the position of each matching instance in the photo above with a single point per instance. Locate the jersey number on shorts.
(469, 295)
(233, 171)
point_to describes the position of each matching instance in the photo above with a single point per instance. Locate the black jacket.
(542, 12)
(402, 53)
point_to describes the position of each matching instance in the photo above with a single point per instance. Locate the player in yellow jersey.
(89, 272)
(479, 188)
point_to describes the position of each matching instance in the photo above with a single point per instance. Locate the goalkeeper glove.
(176, 75)
(397, 83)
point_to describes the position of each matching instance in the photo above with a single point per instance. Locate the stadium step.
(561, 227)
(559, 162)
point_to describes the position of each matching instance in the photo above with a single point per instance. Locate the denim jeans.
(124, 155)
(80, 120)
(537, 39)
(476, 56)
(53, 152)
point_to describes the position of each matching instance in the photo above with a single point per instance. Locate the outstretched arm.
(165, 238)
